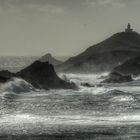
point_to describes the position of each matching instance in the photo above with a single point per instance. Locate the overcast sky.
(62, 27)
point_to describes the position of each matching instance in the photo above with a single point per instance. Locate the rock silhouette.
(130, 67)
(48, 58)
(104, 56)
(41, 75)
(115, 77)
(124, 72)
(5, 75)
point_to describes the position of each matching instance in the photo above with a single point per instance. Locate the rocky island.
(105, 56)
(40, 75)
(49, 58)
(125, 71)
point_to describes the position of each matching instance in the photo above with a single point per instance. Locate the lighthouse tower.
(128, 29)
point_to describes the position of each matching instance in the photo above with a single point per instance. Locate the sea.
(108, 112)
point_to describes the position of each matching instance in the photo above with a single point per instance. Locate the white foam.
(20, 119)
(122, 99)
(16, 85)
(83, 78)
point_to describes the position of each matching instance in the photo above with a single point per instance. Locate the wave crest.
(16, 85)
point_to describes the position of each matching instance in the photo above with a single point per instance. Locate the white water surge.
(24, 110)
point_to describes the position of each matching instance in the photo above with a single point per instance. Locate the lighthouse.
(128, 29)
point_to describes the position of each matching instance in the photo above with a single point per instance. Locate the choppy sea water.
(15, 63)
(111, 112)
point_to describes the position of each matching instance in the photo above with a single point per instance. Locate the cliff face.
(106, 55)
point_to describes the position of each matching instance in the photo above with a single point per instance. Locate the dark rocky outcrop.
(106, 55)
(87, 85)
(5, 75)
(130, 67)
(124, 72)
(41, 75)
(48, 58)
(116, 77)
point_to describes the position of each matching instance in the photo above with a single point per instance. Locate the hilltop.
(48, 58)
(106, 55)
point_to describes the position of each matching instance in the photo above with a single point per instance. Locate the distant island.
(105, 56)
(49, 58)
(119, 55)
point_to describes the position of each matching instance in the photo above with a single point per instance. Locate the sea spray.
(16, 85)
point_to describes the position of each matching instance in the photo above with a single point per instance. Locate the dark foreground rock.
(41, 75)
(90, 86)
(87, 85)
(5, 75)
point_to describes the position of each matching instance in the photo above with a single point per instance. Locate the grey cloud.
(63, 27)
(112, 3)
(32, 5)
(66, 3)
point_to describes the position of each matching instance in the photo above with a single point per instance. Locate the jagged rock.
(41, 75)
(130, 67)
(89, 85)
(116, 77)
(104, 56)
(3, 79)
(123, 72)
(86, 85)
(5, 75)
(48, 58)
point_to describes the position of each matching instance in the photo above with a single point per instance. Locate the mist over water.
(104, 113)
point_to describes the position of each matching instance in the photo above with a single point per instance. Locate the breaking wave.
(16, 85)
(83, 78)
